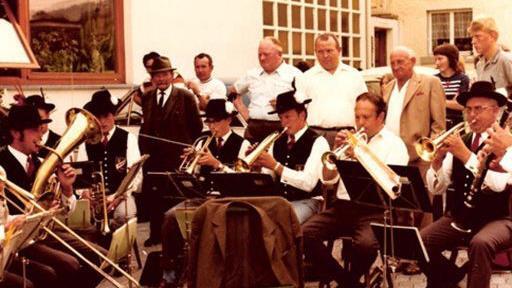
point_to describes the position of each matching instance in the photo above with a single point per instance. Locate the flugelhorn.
(329, 157)
(189, 163)
(426, 148)
(99, 201)
(244, 164)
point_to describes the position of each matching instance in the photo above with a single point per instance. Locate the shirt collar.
(278, 71)
(342, 67)
(226, 136)
(167, 91)
(20, 156)
(299, 133)
(111, 132)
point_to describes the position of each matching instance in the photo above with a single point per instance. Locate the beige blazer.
(423, 112)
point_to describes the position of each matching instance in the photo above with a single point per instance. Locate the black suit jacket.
(179, 120)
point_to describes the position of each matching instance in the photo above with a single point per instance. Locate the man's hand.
(341, 138)
(439, 156)
(456, 146)
(499, 140)
(209, 160)
(186, 152)
(266, 160)
(273, 103)
(67, 176)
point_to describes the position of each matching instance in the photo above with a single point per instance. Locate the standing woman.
(451, 74)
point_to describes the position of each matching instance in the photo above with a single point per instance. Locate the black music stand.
(242, 184)
(412, 196)
(186, 186)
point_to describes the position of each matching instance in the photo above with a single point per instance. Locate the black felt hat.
(24, 117)
(286, 101)
(39, 102)
(218, 109)
(102, 103)
(483, 89)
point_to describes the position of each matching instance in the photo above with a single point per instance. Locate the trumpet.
(244, 165)
(328, 158)
(426, 148)
(189, 164)
(99, 201)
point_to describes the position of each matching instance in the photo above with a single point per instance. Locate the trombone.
(329, 157)
(426, 148)
(244, 164)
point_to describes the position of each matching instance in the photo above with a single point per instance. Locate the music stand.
(186, 185)
(363, 189)
(243, 184)
(122, 242)
(9, 247)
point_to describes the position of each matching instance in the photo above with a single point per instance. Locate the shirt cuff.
(472, 164)
(506, 161)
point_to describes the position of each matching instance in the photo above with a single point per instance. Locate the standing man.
(456, 164)
(492, 61)
(169, 113)
(416, 104)
(262, 85)
(117, 151)
(49, 138)
(295, 158)
(346, 218)
(333, 87)
(205, 87)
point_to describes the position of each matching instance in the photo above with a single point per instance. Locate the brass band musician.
(49, 138)
(456, 163)
(226, 147)
(346, 218)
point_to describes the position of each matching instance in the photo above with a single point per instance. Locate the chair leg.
(137, 254)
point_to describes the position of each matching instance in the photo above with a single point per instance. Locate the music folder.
(406, 238)
(242, 184)
(363, 189)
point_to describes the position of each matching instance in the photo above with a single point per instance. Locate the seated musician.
(19, 159)
(49, 138)
(456, 163)
(346, 218)
(295, 158)
(116, 152)
(224, 149)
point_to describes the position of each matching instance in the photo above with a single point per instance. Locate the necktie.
(219, 143)
(476, 142)
(161, 99)
(104, 141)
(30, 166)
(291, 141)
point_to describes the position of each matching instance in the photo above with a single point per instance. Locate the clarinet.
(463, 221)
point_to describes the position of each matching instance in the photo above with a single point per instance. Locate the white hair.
(410, 53)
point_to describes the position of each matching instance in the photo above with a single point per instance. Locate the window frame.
(27, 76)
(451, 24)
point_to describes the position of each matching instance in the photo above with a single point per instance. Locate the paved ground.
(499, 280)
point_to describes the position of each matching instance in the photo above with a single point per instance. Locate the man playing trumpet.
(456, 163)
(346, 218)
(222, 151)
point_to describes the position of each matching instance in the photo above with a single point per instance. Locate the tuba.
(189, 164)
(244, 165)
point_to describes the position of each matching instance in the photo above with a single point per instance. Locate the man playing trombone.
(217, 152)
(456, 163)
(346, 218)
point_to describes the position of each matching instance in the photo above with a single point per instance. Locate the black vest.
(490, 206)
(16, 174)
(295, 159)
(107, 156)
(51, 142)
(227, 154)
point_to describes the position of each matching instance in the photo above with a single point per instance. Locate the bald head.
(402, 61)
(270, 54)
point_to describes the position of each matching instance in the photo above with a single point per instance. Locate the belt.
(332, 128)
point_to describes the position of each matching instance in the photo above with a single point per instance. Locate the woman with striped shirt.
(451, 74)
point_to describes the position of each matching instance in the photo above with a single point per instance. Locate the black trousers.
(344, 218)
(482, 247)
(11, 280)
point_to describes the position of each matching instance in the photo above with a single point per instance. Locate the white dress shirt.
(333, 95)
(307, 178)
(438, 181)
(506, 161)
(213, 88)
(166, 96)
(70, 202)
(388, 147)
(262, 87)
(395, 107)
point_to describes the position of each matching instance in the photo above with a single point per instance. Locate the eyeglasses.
(477, 109)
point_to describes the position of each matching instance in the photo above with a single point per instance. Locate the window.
(74, 41)
(296, 23)
(450, 27)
